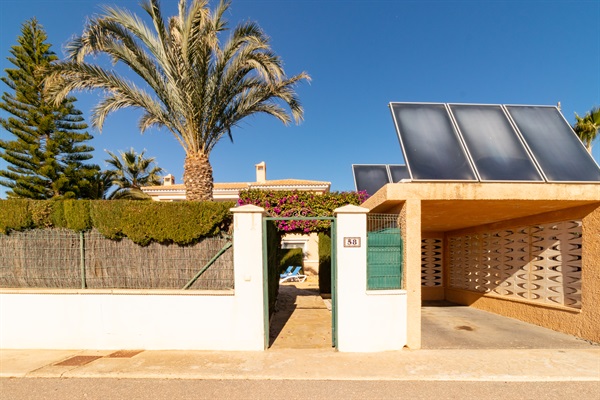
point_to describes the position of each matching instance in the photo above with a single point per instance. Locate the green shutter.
(384, 259)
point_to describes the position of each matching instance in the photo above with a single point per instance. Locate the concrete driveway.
(303, 321)
(451, 326)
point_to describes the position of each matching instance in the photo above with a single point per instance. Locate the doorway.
(296, 315)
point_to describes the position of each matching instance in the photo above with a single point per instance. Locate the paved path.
(301, 319)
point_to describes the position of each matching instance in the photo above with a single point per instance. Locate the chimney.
(168, 180)
(261, 172)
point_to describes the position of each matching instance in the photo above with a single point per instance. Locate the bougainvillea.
(284, 204)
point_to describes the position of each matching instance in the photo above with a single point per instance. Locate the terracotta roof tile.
(290, 182)
(230, 185)
(245, 185)
(179, 186)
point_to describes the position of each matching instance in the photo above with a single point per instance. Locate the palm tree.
(100, 185)
(200, 87)
(587, 127)
(131, 172)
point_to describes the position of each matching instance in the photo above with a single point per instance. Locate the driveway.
(451, 326)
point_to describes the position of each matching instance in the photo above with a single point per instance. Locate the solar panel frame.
(391, 174)
(577, 143)
(519, 137)
(457, 135)
(370, 165)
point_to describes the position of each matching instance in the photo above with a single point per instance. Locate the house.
(229, 191)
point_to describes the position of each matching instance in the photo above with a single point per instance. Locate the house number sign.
(351, 242)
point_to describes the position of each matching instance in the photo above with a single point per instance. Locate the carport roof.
(451, 206)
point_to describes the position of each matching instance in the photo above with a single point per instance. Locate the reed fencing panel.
(59, 258)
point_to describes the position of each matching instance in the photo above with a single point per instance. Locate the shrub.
(14, 215)
(293, 257)
(324, 263)
(142, 222)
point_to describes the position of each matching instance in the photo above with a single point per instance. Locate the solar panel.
(556, 148)
(495, 148)
(398, 172)
(370, 178)
(490, 143)
(431, 146)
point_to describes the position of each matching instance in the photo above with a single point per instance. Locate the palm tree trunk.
(197, 177)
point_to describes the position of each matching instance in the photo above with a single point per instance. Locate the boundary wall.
(367, 321)
(146, 319)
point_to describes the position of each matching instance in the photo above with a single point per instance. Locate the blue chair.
(294, 276)
(287, 272)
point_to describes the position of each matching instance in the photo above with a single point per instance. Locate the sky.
(361, 55)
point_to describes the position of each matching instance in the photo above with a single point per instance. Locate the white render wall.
(367, 321)
(151, 320)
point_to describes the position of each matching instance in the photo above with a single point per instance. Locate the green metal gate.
(384, 252)
(267, 228)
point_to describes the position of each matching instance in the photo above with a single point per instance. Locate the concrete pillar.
(248, 274)
(410, 224)
(367, 320)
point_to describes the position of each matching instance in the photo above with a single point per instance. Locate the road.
(171, 389)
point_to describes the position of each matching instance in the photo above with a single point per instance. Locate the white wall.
(368, 321)
(78, 319)
(119, 321)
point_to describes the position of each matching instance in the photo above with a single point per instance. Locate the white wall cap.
(248, 208)
(350, 209)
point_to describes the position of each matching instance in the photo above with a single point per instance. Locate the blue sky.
(361, 55)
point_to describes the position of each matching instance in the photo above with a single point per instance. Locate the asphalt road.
(133, 389)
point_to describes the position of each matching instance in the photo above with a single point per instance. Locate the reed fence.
(60, 258)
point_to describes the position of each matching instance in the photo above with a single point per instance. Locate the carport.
(527, 251)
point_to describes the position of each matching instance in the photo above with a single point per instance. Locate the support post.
(248, 274)
(410, 224)
(368, 320)
(82, 259)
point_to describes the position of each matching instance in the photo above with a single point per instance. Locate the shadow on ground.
(301, 319)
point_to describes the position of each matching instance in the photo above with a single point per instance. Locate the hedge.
(142, 222)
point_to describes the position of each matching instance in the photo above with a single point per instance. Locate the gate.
(269, 263)
(384, 252)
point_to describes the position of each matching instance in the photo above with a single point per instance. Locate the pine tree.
(46, 158)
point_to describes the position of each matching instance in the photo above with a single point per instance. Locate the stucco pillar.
(410, 223)
(248, 274)
(367, 320)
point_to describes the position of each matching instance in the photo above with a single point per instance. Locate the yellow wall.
(583, 323)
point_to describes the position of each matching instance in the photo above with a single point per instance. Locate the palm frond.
(196, 84)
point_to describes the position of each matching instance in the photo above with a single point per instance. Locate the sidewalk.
(301, 350)
(315, 364)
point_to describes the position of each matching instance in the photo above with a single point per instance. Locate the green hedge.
(324, 263)
(293, 257)
(142, 222)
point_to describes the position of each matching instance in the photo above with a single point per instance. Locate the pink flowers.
(300, 204)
